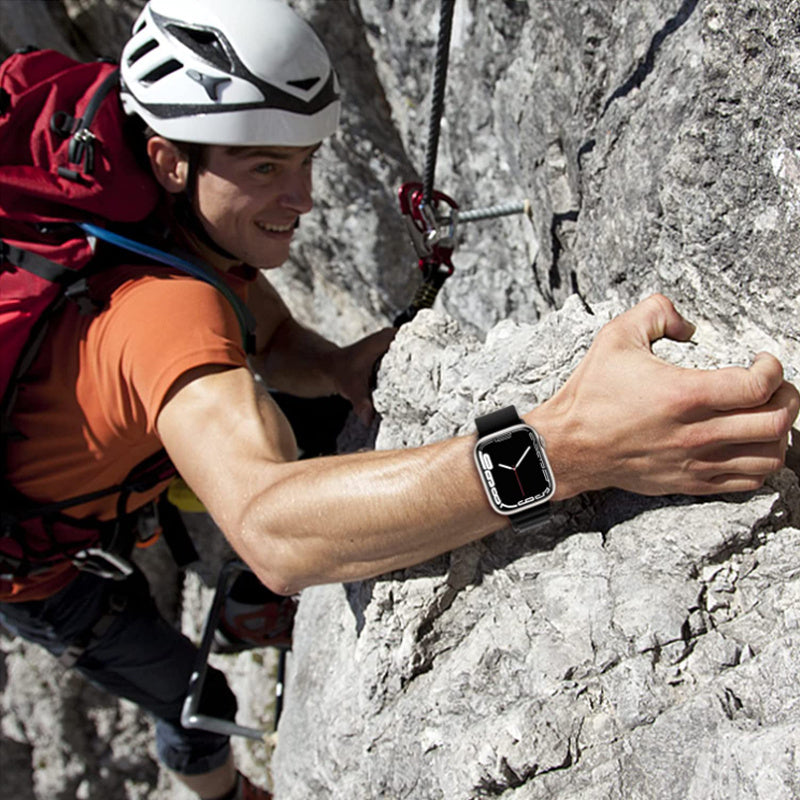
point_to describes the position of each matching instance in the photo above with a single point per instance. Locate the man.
(237, 97)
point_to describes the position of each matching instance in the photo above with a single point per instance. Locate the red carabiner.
(432, 231)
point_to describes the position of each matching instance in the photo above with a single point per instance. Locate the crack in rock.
(647, 64)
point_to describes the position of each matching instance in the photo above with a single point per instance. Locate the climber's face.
(249, 199)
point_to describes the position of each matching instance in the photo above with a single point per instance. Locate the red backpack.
(67, 174)
(63, 161)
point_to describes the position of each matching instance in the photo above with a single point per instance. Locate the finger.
(733, 388)
(656, 318)
(719, 483)
(723, 484)
(752, 460)
(769, 423)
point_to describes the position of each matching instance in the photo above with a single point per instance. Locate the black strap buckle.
(103, 564)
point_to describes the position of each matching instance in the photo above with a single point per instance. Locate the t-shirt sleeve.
(156, 329)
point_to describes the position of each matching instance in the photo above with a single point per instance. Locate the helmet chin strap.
(185, 208)
(188, 219)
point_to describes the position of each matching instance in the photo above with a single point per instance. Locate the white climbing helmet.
(231, 72)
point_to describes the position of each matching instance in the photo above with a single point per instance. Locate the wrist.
(568, 448)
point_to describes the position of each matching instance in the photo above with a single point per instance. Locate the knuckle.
(751, 483)
(794, 401)
(774, 465)
(782, 421)
(695, 468)
(661, 302)
(696, 438)
(683, 399)
(761, 387)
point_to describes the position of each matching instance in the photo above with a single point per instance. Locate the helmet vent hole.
(305, 84)
(142, 51)
(161, 71)
(205, 44)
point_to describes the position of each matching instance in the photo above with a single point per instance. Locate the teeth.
(275, 228)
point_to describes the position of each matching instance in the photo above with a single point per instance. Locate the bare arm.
(294, 359)
(624, 419)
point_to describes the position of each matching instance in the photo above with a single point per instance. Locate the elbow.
(276, 561)
(277, 573)
(281, 582)
(284, 555)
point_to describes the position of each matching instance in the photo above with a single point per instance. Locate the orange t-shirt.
(87, 407)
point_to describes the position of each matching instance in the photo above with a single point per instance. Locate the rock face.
(635, 648)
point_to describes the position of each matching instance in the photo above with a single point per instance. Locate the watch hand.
(505, 466)
(523, 456)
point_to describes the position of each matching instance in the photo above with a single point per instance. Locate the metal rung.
(190, 714)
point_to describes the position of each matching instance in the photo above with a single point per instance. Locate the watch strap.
(524, 521)
(497, 420)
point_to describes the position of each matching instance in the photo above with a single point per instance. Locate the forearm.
(298, 361)
(353, 517)
(357, 516)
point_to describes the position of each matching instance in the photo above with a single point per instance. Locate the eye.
(265, 168)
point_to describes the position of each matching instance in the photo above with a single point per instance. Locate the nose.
(296, 191)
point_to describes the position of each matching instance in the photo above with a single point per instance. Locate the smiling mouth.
(275, 228)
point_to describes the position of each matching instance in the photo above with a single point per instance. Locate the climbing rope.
(437, 99)
(431, 216)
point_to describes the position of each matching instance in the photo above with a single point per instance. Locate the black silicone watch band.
(497, 420)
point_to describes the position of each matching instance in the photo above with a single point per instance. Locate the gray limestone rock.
(606, 656)
(636, 648)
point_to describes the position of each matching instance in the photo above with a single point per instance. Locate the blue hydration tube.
(247, 323)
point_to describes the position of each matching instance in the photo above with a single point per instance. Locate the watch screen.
(514, 469)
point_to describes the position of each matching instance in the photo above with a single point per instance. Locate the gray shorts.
(140, 658)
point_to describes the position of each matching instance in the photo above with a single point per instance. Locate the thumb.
(656, 318)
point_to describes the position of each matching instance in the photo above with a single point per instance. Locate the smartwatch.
(514, 469)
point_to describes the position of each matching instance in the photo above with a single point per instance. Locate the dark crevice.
(556, 248)
(647, 64)
(514, 780)
(584, 149)
(644, 68)
(731, 704)
(573, 277)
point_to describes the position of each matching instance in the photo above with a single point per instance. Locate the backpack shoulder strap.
(197, 269)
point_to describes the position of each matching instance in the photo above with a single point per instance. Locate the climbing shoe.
(254, 616)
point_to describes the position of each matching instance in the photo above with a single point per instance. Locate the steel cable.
(437, 100)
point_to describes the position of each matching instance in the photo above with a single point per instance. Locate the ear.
(169, 164)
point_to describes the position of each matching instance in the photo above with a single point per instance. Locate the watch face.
(515, 470)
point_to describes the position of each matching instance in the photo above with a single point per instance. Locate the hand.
(627, 419)
(353, 370)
